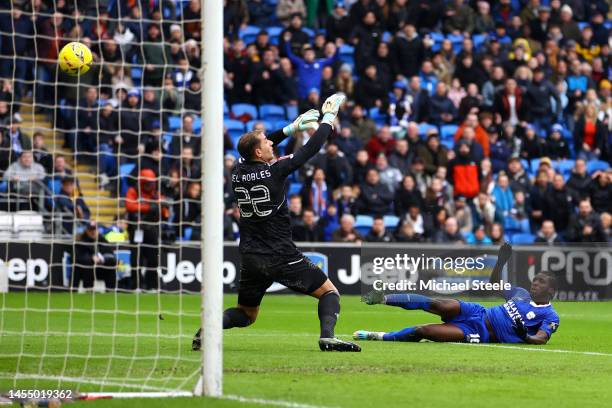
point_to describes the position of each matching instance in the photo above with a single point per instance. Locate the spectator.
(568, 25)
(188, 213)
(19, 141)
(389, 175)
(338, 24)
(510, 104)
(541, 94)
(556, 145)
(478, 236)
(450, 233)
(70, 202)
(348, 144)
(483, 22)
(315, 194)
(285, 9)
(606, 226)
(308, 69)
(401, 158)
(484, 210)
(406, 233)
(480, 133)
(407, 195)
(500, 152)
(600, 191)
(295, 209)
(336, 167)
(538, 200)
(469, 73)
(532, 147)
(235, 16)
(408, 51)
(383, 143)
(517, 174)
(463, 172)
(428, 77)
(420, 106)
(497, 234)
(433, 154)
(366, 35)
(146, 209)
(547, 234)
(471, 101)
(579, 181)
(307, 230)
(378, 232)
(347, 231)
(361, 167)
(41, 154)
(586, 225)
(518, 218)
(442, 109)
(560, 204)
(186, 137)
(344, 81)
(590, 134)
(155, 56)
(266, 80)
(361, 126)
(463, 214)
(25, 180)
(502, 196)
(347, 202)
(370, 91)
(329, 222)
(94, 259)
(375, 198)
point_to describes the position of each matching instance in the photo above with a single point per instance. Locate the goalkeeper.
(526, 317)
(267, 251)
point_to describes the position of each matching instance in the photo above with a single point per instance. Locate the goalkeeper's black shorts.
(259, 272)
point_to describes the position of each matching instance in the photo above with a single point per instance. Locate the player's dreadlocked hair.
(552, 278)
(247, 144)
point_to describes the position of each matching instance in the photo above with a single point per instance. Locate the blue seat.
(309, 31)
(448, 131)
(380, 118)
(455, 38)
(248, 31)
(226, 111)
(55, 185)
(391, 221)
(523, 238)
(478, 40)
(436, 36)
(280, 124)
(387, 37)
(234, 127)
(363, 224)
(564, 166)
(346, 49)
(250, 124)
(274, 31)
(448, 143)
(197, 124)
(292, 112)
(294, 188)
(272, 112)
(424, 127)
(595, 165)
(240, 109)
(174, 122)
(124, 172)
(526, 165)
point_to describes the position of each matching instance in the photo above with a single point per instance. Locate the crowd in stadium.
(467, 121)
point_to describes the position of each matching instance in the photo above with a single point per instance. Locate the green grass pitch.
(277, 359)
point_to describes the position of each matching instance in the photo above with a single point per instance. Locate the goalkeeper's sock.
(407, 334)
(329, 309)
(408, 302)
(235, 317)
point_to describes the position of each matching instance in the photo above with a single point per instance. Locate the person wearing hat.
(338, 24)
(569, 28)
(370, 91)
(533, 146)
(94, 259)
(539, 25)
(72, 206)
(463, 171)
(541, 92)
(556, 146)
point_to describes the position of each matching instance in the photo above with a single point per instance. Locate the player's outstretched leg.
(240, 316)
(329, 309)
(445, 308)
(434, 332)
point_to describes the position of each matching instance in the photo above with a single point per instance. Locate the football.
(75, 59)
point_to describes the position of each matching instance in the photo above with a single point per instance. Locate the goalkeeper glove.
(519, 328)
(307, 120)
(331, 106)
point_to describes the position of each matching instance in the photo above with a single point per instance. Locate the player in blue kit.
(526, 317)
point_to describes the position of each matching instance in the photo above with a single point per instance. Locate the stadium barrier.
(584, 272)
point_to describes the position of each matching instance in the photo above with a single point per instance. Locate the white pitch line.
(262, 401)
(546, 350)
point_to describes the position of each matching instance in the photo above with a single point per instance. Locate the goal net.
(100, 197)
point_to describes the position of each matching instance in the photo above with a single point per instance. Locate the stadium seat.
(294, 188)
(448, 131)
(391, 222)
(249, 33)
(523, 238)
(174, 123)
(309, 31)
(55, 185)
(424, 127)
(363, 224)
(564, 166)
(279, 125)
(526, 165)
(292, 112)
(380, 118)
(448, 143)
(595, 165)
(28, 225)
(478, 40)
(124, 172)
(272, 112)
(234, 127)
(240, 109)
(226, 111)
(347, 54)
(250, 124)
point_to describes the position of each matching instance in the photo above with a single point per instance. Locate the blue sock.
(407, 334)
(408, 302)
